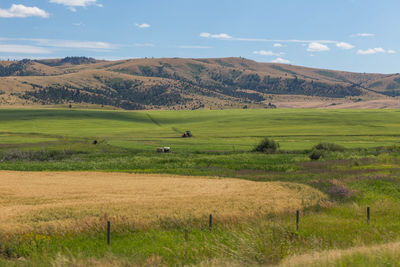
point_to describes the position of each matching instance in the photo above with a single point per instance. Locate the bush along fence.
(210, 225)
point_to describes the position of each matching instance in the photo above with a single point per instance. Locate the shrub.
(267, 146)
(43, 155)
(315, 154)
(387, 149)
(339, 192)
(329, 147)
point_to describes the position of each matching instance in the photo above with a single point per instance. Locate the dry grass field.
(369, 256)
(313, 102)
(338, 257)
(59, 200)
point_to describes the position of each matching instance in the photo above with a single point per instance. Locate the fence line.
(210, 225)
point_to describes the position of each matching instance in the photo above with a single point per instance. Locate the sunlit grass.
(42, 201)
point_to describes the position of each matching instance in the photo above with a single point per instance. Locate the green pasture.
(213, 130)
(365, 173)
(14, 138)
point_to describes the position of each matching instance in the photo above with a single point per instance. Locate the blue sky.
(352, 35)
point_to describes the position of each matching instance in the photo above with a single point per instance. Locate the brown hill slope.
(176, 83)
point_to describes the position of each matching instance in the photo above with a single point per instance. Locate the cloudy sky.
(352, 35)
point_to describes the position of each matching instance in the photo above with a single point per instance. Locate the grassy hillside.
(174, 83)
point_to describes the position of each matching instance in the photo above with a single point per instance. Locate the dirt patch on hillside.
(340, 104)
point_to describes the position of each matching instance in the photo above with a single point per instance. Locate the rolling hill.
(176, 83)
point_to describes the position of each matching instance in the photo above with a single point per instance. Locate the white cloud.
(74, 44)
(313, 45)
(367, 52)
(344, 45)
(371, 51)
(194, 47)
(23, 49)
(21, 11)
(281, 60)
(226, 36)
(72, 3)
(143, 25)
(317, 47)
(363, 35)
(267, 53)
(215, 36)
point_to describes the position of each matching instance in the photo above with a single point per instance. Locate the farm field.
(61, 200)
(218, 130)
(58, 189)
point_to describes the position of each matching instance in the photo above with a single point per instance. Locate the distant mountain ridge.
(177, 83)
(68, 60)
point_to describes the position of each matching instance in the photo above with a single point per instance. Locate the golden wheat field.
(72, 200)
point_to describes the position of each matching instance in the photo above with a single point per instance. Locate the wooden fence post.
(108, 233)
(368, 215)
(210, 222)
(297, 219)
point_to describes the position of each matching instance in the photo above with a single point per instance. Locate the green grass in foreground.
(264, 240)
(362, 175)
